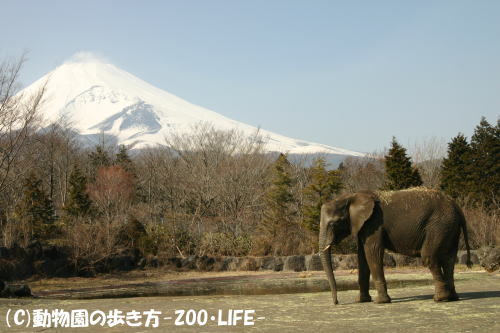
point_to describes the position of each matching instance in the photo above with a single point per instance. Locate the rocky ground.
(412, 310)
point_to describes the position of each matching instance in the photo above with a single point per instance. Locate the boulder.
(49, 267)
(402, 260)
(346, 261)
(222, 264)
(125, 260)
(205, 263)
(34, 250)
(295, 263)
(267, 263)
(248, 264)
(152, 261)
(189, 262)
(313, 262)
(389, 260)
(278, 264)
(489, 258)
(14, 290)
(462, 257)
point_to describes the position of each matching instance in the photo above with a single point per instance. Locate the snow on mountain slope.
(98, 97)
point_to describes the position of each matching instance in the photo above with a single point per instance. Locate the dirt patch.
(412, 310)
(219, 284)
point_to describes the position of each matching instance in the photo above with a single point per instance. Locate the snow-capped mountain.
(97, 97)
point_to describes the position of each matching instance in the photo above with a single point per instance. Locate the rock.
(152, 261)
(50, 252)
(142, 263)
(205, 263)
(34, 250)
(347, 261)
(173, 262)
(243, 264)
(389, 260)
(124, 260)
(402, 260)
(313, 262)
(278, 264)
(462, 257)
(222, 264)
(295, 263)
(189, 262)
(248, 264)
(14, 290)
(4, 252)
(259, 261)
(17, 252)
(489, 258)
(48, 267)
(267, 263)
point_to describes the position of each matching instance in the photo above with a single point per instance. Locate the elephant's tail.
(466, 238)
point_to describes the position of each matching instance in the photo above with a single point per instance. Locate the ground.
(412, 310)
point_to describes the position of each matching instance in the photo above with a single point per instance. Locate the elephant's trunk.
(326, 261)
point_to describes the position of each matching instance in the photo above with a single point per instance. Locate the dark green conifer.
(399, 170)
(123, 160)
(485, 162)
(324, 184)
(279, 213)
(455, 169)
(35, 208)
(99, 158)
(78, 202)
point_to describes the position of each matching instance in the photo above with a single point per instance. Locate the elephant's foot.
(383, 299)
(453, 295)
(362, 298)
(444, 296)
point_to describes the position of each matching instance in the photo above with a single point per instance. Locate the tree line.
(209, 193)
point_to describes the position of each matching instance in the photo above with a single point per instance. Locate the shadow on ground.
(463, 296)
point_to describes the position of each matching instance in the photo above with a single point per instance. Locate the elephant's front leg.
(363, 276)
(375, 257)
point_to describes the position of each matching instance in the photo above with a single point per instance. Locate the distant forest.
(212, 193)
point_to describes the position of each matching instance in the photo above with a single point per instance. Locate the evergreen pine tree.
(99, 158)
(399, 170)
(455, 169)
(485, 162)
(123, 160)
(279, 215)
(324, 184)
(78, 202)
(35, 207)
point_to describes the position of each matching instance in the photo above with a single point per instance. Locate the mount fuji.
(99, 98)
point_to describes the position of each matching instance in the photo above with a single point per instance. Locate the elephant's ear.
(360, 210)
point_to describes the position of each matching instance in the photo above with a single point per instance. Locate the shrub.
(224, 244)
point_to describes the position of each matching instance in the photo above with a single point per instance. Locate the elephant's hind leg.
(448, 270)
(441, 289)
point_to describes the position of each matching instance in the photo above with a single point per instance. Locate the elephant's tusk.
(327, 247)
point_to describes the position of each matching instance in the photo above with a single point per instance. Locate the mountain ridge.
(98, 97)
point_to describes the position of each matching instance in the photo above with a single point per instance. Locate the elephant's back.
(409, 215)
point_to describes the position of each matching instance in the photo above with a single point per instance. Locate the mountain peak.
(84, 57)
(98, 97)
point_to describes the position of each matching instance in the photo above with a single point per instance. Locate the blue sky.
(349, 74)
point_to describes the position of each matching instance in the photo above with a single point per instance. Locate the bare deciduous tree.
(19, 116)
(428, 155)
(363, 173)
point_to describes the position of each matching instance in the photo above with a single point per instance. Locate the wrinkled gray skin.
(415, 222)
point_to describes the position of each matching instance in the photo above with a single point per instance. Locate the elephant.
(417, 222)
